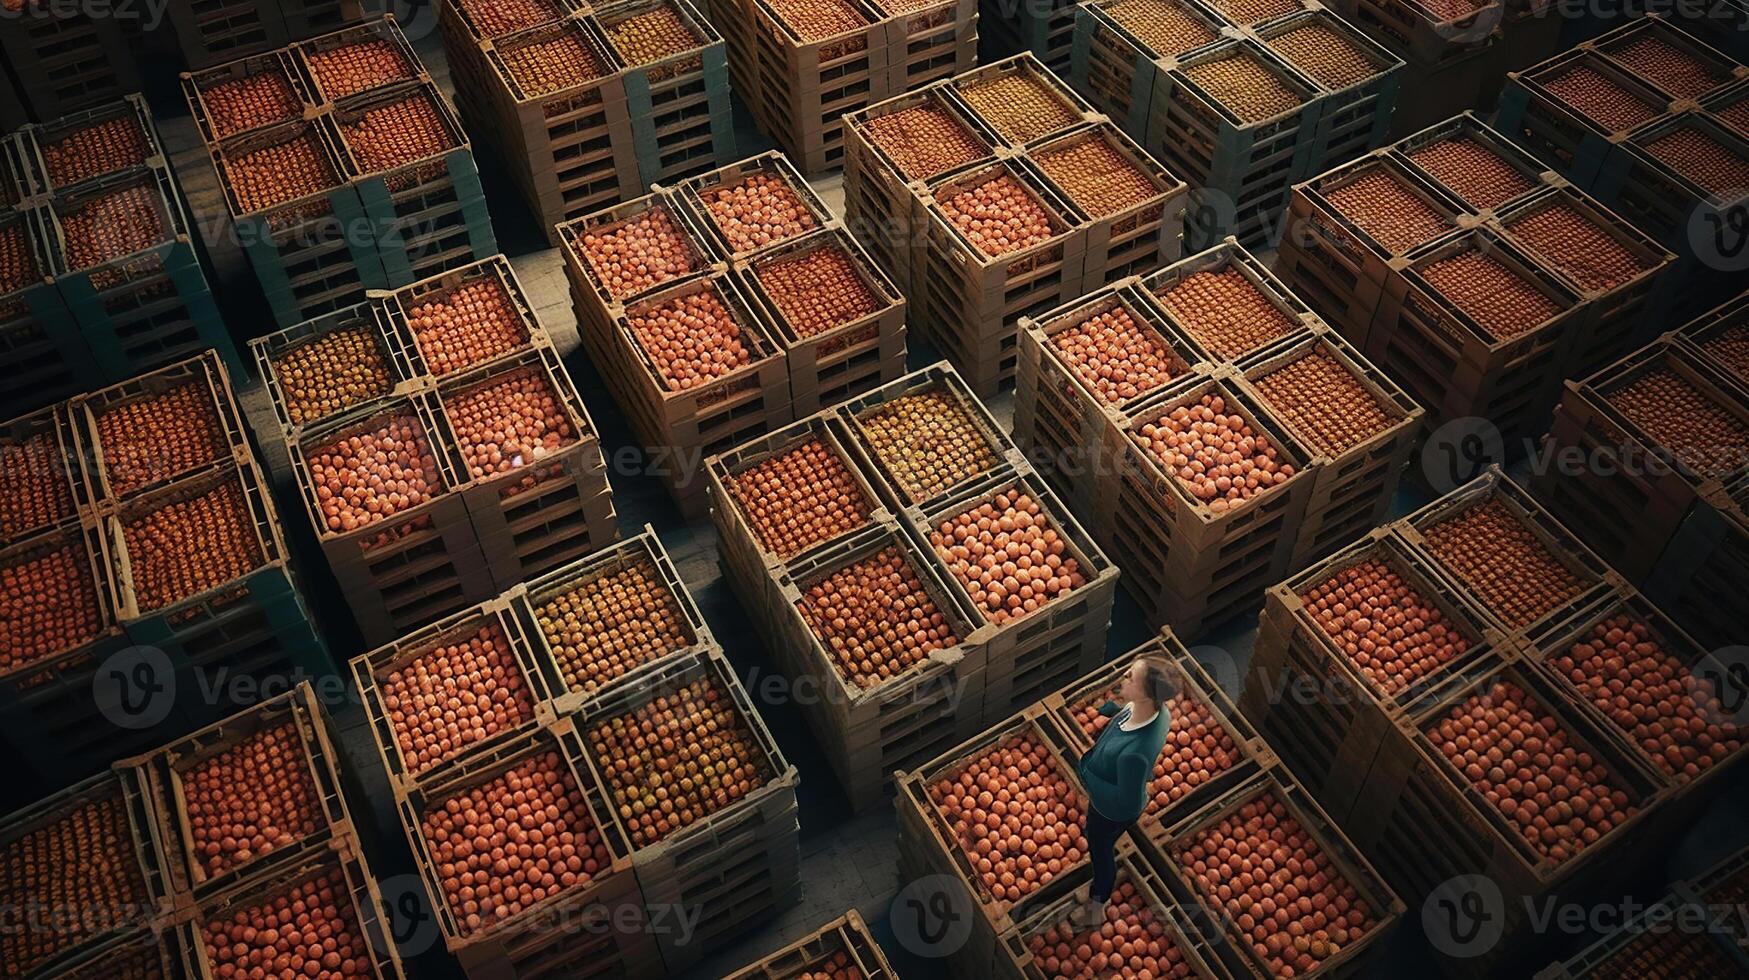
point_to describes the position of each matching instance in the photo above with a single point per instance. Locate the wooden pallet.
(847, 935)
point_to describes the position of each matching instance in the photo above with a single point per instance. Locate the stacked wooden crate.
(897, 465)
(810, 64)
(61, 59)
(87, 306)
(145, 499)
(1095, 207)
(1514, 613)
(794, 353)
(1216, 773)
(1641, 118)
(842, 947)
(1098, 375)
(1242, 101)
(1660, 503)
(1374, 246)
(211, 32)
(422, 360)
(590, 105)
(579, 668)
(343, 168)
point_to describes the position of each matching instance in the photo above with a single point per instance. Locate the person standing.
(1119, 767)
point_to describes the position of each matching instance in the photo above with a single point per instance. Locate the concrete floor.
(847, 863)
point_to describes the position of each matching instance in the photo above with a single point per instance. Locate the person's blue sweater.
(1119, 766)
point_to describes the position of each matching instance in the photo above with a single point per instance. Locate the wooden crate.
(869, 733)
(576, 932)
(969, 303)
(1427, 824)
(938, 383)
(883, 203)
(1118, 70)
(1134, 240)
(753, 565)
(1704, 944)
(380, 31)
(1712, 333)
(1037, 653)
(596, 301)
(140, 856)
(210, 32)
(1630, 494)
(1352, 489)
(848, 935)
(1186, 565)
(1314, 703)
(684, 428)
(417, 565)
(1334, 262)
(166, 769)
(504, 629)
(270, 354)
(807, 85)
(67, 59)
(1355, 118)
(1730, 105)
(42, 450)
(51, 712)
(643, 552)
(928, 845)
(738, 866)
(1015, 958)
(1228, 259)
(142, 950)
(930, 41)
(199, 88)
(230, 644)
(1493, 487)
(207, 375)
(1559, 132)
(840, 362)
(45, 352)
(1691, 792)
(147, 308)
(679, 105)
(1659, 29)
(130, 114)
(566, 148)
(371, 915)
(696, 192)
(400, 308)
(1452, 365)
(427, 216)
(1615, 320)
(1468, 129)
(1028, 71)
(1046, 30)
(1661, 201)
(1347, 862)
(1707, 563)
(1196, 686)
(552, 508)
(1065, 428)
(312, 255)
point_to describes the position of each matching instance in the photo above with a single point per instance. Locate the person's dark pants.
(1102, 835)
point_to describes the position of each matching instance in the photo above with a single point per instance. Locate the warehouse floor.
(847, 862)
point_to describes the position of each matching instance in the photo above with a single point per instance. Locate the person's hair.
(1160, 680)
